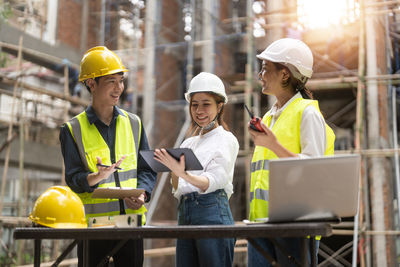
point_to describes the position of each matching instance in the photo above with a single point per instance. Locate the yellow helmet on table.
(99, 61)
(59, 207)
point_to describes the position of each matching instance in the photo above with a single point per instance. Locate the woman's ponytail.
(305, 93)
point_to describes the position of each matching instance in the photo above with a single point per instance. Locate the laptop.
(313, 189)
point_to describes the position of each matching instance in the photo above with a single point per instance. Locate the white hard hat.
(206, 82)
(293, 52)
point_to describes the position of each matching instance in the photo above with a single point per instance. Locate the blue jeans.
(200, 209)
(291, 245)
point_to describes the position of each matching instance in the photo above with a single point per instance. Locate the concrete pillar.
(149, 80)
(84, 28)
(377, 136)
(274, 33)
(208, 32)
(51, 25)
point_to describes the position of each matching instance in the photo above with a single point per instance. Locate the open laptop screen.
(313, 188)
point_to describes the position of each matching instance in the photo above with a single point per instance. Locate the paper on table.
(117, 192)
(256, 221)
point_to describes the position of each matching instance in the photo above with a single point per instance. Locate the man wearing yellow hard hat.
(101, 148)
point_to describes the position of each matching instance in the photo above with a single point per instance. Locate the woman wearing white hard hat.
(204, 195)
(293, 127)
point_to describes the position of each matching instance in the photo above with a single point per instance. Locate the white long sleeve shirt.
(217, 151)
(312, 129)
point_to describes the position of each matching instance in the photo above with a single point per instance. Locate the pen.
(106, 166)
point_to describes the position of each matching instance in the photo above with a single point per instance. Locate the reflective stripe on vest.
(123, 176)
(255, 166)
(91, 144)
(287, 131)
(105, 207)
(260, 194)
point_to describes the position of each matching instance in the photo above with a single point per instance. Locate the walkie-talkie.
(255, 122)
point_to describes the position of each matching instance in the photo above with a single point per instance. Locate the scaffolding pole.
(66, 117)
(208, 32)
(102, 22)
(84, 31)
(377, 170)
(21, 197)
(358, 219)
(248, 94)
(190, 46)
(149, 80)
(134, 66)
(71, 99)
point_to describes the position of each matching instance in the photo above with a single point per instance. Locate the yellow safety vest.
(287, 131)
(91, 144)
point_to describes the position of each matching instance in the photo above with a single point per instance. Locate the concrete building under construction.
(356, 50)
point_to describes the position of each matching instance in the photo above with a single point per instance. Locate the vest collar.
(92, 117)
(277, 111)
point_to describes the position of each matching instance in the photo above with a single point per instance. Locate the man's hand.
(135, 202)
(107, 171)
(103, 172)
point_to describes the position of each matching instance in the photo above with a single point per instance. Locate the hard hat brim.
(303, 71)
(85, 77)
(188, 95)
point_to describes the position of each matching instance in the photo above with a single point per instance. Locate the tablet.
(191, 161)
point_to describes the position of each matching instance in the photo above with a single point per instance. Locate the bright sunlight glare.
(325, 13)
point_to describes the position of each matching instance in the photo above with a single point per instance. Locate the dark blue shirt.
(75, 173)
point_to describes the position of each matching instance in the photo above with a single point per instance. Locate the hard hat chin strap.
(209, 126)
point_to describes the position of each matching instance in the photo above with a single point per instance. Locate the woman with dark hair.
(204, 195)
(293, 127)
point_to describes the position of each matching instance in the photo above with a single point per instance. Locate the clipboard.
(192, 163)
(116, 192)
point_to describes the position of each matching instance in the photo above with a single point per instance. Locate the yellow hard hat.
(59, 207)
(99, 61)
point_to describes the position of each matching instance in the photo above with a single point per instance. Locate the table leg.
(266, 255)
(304, 251)
(85, 244)
(105, 260)
(36, 256)
(313, 251)
(65, 253)
(289, 256)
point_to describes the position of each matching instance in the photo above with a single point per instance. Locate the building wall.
(171, 22)
(92, 36)
(111, 30)
(168, 75)
(69, 22)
